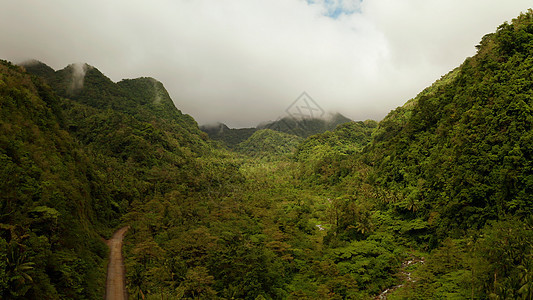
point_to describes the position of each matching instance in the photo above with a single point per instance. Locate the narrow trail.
(116, 281)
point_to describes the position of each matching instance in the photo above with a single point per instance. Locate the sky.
(242, 62)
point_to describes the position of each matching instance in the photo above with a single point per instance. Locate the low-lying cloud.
(78, 76)
(245, 61)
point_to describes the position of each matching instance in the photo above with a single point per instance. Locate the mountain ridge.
(303, 127)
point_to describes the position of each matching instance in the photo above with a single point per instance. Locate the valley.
(432, 202)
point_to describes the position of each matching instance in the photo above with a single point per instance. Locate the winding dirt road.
(116, 281)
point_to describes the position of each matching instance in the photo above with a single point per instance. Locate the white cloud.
(245, 61)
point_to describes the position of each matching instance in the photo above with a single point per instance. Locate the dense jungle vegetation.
(433, 202)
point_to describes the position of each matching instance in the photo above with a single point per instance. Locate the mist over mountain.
(360, 58)
(301, 127)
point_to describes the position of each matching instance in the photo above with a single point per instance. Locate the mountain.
(145, 99)
(299, 127)
(228, 136)
(462, 148)
(306, 126)
(52, 200)
(452, 169)
(75, 159)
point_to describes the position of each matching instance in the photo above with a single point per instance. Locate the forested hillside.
(74, 164)
(52, 198)
(267, 142)
(433, 202)
(456, 164)
(301, 127)
(229, 137)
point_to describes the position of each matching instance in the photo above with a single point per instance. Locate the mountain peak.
(38, 68)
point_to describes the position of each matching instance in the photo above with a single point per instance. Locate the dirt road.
(116, 281)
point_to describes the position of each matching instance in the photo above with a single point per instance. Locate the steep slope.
(49, 209)
(131, 121)
(38, 68)
(462, 150)
(449, 174)
(452, 172)
(73, 165)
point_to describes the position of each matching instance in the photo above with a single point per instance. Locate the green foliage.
(268, 143)
(197, 285)
(493, 263)
(370, 262)
(327, 157)
(455, 162)
(45, 200)
(461, 150)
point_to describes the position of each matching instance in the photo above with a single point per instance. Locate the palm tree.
(17, 271)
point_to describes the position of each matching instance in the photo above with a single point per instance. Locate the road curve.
(116, 281)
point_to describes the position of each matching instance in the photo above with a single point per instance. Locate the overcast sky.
(241, 62)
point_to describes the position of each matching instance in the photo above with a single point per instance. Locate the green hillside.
(267, 142)
(73, 165)
(463, 149)
(455, 163)
(52, 199)
(307, 126)
(330, 156)
(231, 137)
